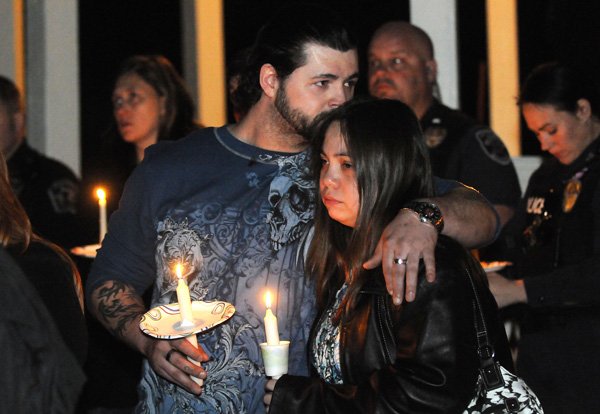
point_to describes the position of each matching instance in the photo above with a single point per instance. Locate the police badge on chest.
(572, 190)
(435, 134)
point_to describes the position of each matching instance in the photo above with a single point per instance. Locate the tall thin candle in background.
(102, 210)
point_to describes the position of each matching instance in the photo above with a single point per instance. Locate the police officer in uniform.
(402, 67)
(47, 189)
(556, 277)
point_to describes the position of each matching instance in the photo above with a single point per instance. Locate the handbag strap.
(488, 367)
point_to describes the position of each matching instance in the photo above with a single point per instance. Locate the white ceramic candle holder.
(275, 358)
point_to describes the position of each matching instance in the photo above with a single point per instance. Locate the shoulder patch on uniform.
(492, 146)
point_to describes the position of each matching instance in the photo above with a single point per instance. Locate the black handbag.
(498, 390)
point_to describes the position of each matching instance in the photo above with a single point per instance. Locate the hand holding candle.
(102, 205)
(271, 329)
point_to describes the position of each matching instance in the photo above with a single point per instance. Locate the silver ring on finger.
(400, 261)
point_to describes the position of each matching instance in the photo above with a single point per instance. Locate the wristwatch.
(427, 213)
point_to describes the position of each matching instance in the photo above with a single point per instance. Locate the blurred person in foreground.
(40, 374)
(47, 267)
(42, 327)
(556, 235)
(234, 205)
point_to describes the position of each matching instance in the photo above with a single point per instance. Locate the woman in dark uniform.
(557, 231)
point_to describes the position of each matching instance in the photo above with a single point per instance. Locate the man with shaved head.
(402, 66)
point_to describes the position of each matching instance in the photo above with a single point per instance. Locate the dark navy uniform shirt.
(49, 192)
(464, 151)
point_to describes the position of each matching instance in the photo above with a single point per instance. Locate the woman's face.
(561, 133)
(337, 183)
(138, 110)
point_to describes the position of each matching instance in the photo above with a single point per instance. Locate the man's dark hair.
(9, 95)
(282, 43)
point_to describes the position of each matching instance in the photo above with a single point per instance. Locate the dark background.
(111, 30)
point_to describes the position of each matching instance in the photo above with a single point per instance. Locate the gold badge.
(572, 190)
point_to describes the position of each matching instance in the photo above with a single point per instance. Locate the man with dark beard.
(234, 205)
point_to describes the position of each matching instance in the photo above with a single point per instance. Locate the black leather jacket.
(419, 357)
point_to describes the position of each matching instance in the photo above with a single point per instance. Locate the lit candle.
(102, 204)
(185, 310)
(183, 297)
(271, 330)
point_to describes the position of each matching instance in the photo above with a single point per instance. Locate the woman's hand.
(269, 387)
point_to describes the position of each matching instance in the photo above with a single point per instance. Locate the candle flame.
(101, 194)
(179, 270)
(268, 299)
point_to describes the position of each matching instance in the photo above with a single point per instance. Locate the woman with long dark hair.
(369, 355)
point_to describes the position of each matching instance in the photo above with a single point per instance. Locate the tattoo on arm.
(118, 305)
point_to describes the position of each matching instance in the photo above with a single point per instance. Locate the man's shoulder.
(463, 129)
(47, 168)
(198, 153)
(440, 114)
(442, 124)
(191, 146)
(57, 169)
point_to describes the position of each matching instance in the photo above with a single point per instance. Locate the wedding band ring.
(399, 261)
(168, 356)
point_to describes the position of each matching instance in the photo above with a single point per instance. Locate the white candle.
(185, 310)
(183, 297)
(102, 204)
(271, 330)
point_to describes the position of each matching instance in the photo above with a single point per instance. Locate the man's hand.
(119, 308)
(507, 292)
(468, 218)
(169, 359)
(411, 240)
(269, 387)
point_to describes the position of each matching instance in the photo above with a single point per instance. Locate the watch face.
(428, 213)
(431, 213)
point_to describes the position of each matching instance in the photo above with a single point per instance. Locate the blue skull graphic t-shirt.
(239, 220)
